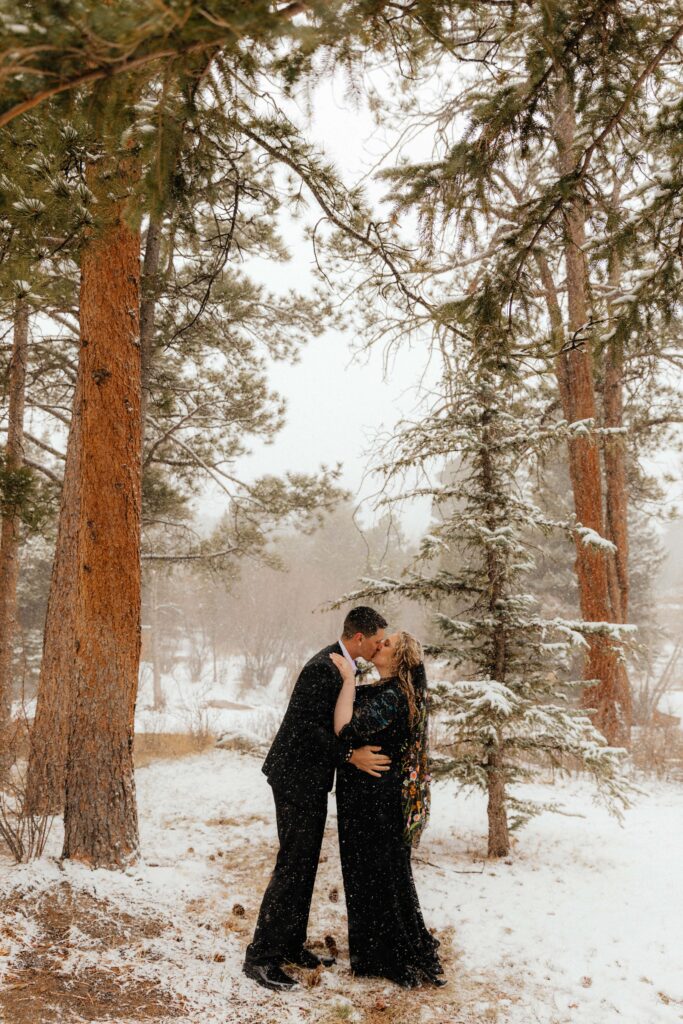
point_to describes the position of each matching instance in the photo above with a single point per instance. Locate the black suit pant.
(283, 918)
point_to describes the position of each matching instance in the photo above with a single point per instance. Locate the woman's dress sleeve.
(372, 716)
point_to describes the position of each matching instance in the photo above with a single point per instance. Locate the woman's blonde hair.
(408, 654)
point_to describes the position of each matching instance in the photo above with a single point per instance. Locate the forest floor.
(581, 925)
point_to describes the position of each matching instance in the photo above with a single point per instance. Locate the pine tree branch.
(46, 447)
(171, 430)
(98, 74)
(226, 35)
(580, 170)
(617, 117)
(44, 470)
(377, 248)
(51, 409)
(189, 558)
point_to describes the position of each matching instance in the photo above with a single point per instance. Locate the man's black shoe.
(308, 959)
(269, 976)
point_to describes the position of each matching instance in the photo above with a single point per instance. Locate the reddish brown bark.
(100, 817)
(47, 756)
(11, 528)
(574, 368)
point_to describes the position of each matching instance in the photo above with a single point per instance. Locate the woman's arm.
(343, 709)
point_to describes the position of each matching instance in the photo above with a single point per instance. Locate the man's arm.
(369, 759)
(316, 691)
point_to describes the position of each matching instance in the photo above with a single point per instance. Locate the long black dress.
(387, 934)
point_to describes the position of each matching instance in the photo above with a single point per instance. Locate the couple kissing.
(374, 736)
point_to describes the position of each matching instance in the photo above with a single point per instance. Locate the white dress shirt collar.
(347, 655)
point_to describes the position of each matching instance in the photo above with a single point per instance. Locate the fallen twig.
(455, 871)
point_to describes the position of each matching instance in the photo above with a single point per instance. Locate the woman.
(381, 817)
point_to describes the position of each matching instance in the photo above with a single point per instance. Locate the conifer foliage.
(531, 213)
(503, 690)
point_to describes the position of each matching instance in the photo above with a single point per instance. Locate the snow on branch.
(591, 538)
(615, 630)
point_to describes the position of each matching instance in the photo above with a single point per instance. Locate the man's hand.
(366, 759)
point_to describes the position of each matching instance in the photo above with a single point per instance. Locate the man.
(300, 768)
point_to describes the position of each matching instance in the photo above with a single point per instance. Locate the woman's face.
(385, 659)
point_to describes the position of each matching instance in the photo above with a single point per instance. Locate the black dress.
(387, 934)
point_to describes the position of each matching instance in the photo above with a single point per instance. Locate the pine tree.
(512, 707)
(41, 213)
(204, 329)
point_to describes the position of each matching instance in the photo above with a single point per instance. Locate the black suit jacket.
(305, 752)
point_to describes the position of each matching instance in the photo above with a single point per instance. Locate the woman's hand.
(347, 673)
(343, 709)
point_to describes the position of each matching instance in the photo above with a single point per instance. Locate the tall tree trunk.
(616, 487)
(47, 755)
(496, 808)
(11, 527)
(614, 450)
(100, 816)
(574, 368)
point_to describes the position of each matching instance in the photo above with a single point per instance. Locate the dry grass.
(61, 976)
(39, 986)
(37, 995)
(156, 746)
(149, 746)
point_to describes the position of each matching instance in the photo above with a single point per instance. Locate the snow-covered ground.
(208, 706)
(582, 924)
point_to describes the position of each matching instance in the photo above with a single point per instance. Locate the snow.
(585, 917)
(581, 925)
(208, 706)
(484, 694)
(581, 427)
(591, 538)
(575, 629)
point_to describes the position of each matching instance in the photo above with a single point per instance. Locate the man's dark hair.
(363, 620)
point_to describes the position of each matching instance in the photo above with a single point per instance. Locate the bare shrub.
(199, 719)
(652, 687)
(23, 832)
(658, 750)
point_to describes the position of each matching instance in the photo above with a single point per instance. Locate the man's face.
(368, 646)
